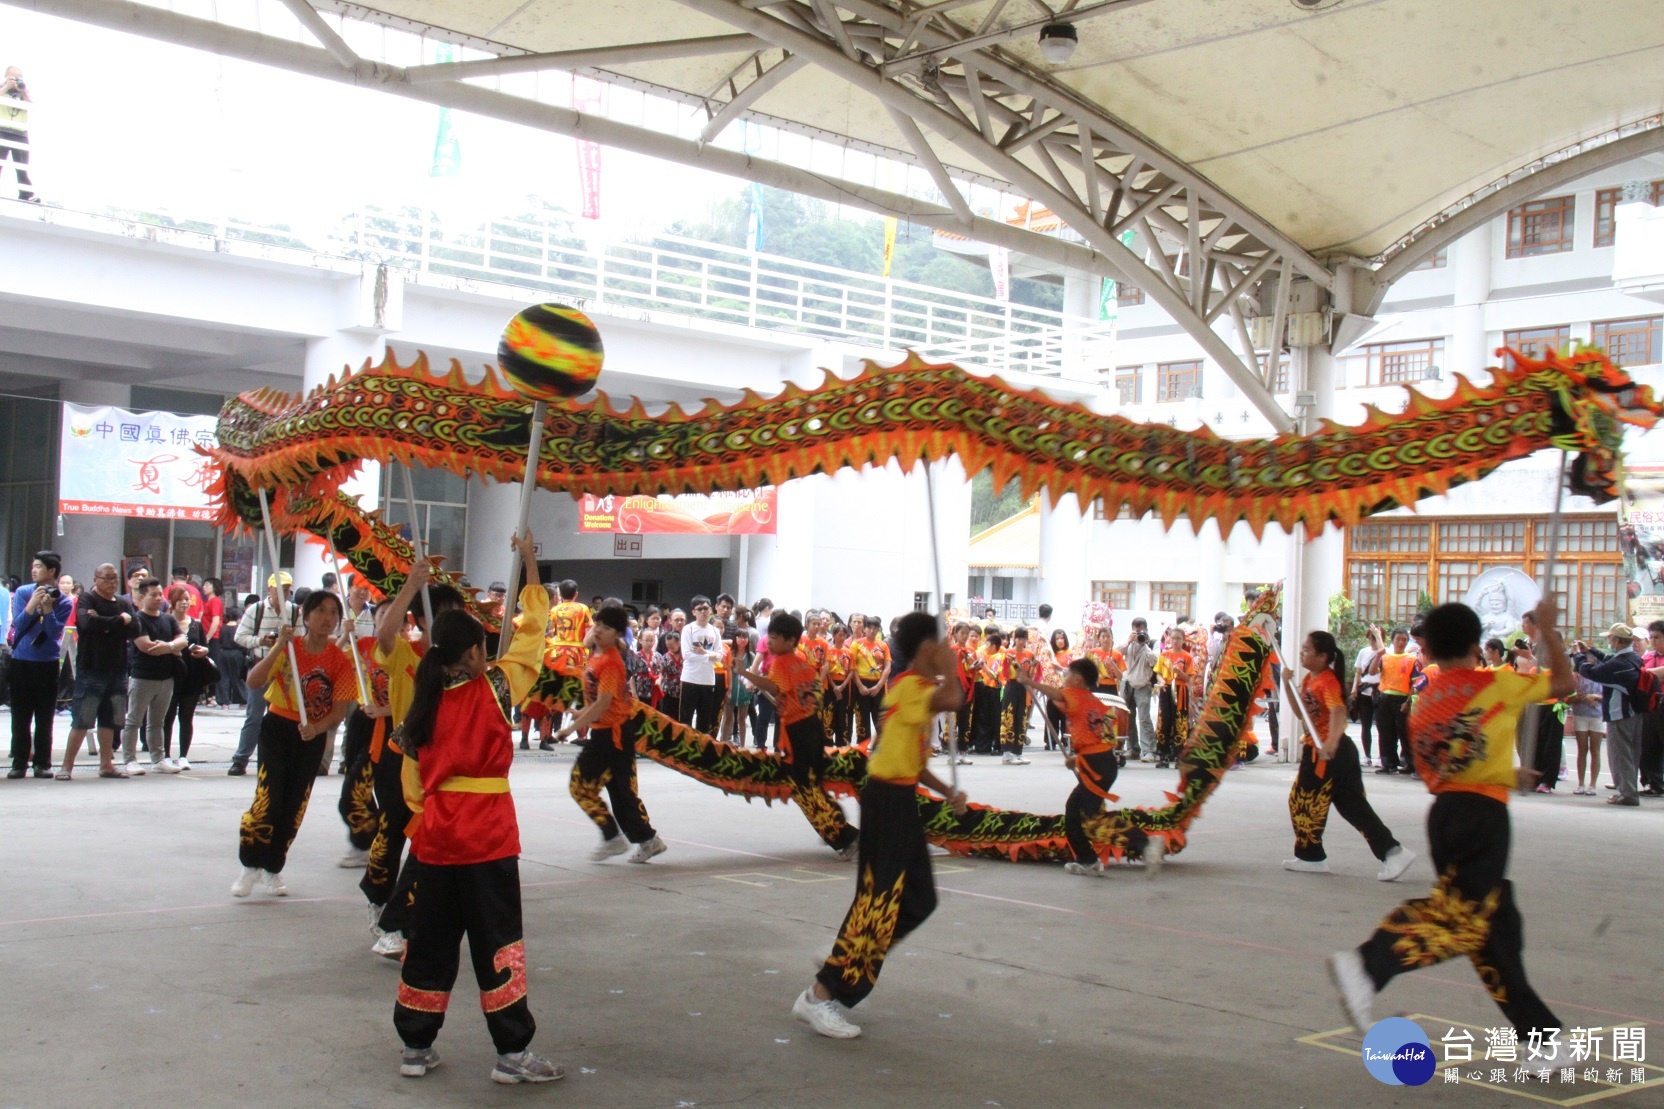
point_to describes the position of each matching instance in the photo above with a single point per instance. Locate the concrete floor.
(132, 978)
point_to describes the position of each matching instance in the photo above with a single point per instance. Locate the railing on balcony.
(688, 277)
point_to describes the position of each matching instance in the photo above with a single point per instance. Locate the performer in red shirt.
(459, 745)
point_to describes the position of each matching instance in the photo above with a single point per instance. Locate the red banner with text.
(745, 512)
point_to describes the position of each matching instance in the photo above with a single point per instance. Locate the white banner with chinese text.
(112, 462)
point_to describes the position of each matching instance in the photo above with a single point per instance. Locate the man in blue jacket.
(1618, 672)
(38, 615)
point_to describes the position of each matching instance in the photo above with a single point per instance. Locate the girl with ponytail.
(458, 744)
(1330, 773)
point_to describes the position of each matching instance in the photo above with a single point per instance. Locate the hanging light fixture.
(1058, 42)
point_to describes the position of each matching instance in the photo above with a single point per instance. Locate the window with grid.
(1606, 211)
(1435, 261)
(1178, 380)
(1128, 296)
(1403, 362)
(1389, 565)
(1177, 597)
(1003, 589)
(1590, 596)
(1129, 382)
(1280, 376)
(1630, 342)
(1115, 594)
(1535, 342)
(1497, 537)
(1541, 227)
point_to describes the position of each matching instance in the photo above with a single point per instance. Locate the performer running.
(894, 891)
(1462, 728)
(1092, 737)
(388, 886)
(794, 683)
(290, 751)
(1329, 770)
(459, 745)
(608, 760)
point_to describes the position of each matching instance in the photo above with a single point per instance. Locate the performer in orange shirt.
(1018, 663)
(1173, 673)
(569, 624)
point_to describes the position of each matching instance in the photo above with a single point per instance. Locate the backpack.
(1648, 695)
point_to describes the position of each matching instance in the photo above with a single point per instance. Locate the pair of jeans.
(250, 736)
(100, 701)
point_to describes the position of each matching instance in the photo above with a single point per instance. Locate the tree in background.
(989, 507)
(805, 229)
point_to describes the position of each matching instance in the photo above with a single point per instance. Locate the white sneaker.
(244, 885)
(353, 859)
(1398, 860)
(1155, 853)
(273, 884)
(1085, 870)
(182, 763)
(647, 849)
(1306, 866)
(617, 845)
(1018, 760)
(826, 1017)
(1352, 982)
(390, 946)
(375, 919)
(523, 1066)
(852, 851)
(415, 1062)
(134, 770)
(164, 766)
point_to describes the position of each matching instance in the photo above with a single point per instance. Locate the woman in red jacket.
(459, 744)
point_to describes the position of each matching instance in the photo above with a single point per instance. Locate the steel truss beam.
(1096, 174)
(236, 42)
(1091, 171)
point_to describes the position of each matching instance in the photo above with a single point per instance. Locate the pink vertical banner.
(587, 98)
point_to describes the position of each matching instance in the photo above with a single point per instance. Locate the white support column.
(1316, 563)
(1470, 265)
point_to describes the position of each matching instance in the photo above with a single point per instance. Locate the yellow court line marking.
(1324, 1040)
(763, 881)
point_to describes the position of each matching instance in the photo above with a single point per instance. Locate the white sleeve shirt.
(700, 669)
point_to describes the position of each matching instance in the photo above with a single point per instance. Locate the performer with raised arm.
(459, 746)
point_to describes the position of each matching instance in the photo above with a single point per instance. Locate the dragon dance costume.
(464, 832)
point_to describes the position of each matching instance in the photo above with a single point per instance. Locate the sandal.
(62, 775)
(112, 773)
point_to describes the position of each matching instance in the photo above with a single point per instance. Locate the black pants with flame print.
(894, 890)
(480, 901)
(1341, 786)
(288, 769)
(1470, 911)
(803, 750)
(358, 792)
(606, 763)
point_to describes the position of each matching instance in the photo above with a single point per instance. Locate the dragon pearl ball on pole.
(548, 351)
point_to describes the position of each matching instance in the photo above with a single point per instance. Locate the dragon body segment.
(302, 449)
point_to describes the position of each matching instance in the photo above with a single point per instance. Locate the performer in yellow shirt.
(894, 890)
(1462, 728)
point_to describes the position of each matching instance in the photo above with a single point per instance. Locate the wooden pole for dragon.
(528, 486)
(277, 584)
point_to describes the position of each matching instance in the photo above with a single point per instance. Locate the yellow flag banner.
(890, 224)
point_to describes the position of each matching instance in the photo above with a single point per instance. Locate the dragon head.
(1593, 402)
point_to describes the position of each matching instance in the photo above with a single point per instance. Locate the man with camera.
(39, 613)
(14, 128)
(1136, 683)
(256, 634)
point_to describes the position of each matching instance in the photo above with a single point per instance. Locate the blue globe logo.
(1398, 1053)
